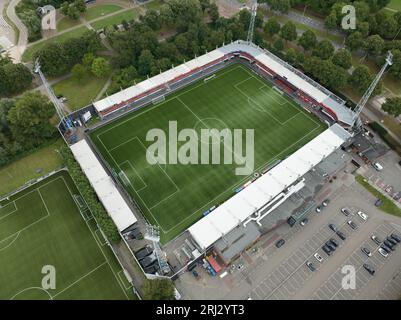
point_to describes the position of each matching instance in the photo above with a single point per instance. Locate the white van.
(378, 166)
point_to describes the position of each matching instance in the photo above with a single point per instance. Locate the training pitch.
(174, 196)
(46, 226)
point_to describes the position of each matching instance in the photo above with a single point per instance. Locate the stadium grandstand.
(103, 185)
(265, 190)
(284, 75)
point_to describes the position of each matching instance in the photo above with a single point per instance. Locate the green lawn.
(43, 226)
(23, 170)
(80, 93)
(175, 196)
(30, 51)
(66, 23)
(387, 206)
(154, 5)
(395, 4)
(100, 10)
(127, 15)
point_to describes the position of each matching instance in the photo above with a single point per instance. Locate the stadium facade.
(265, 190)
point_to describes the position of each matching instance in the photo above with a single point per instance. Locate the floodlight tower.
(357, 123)
(152, 233)
(59, 108)
(251, 28)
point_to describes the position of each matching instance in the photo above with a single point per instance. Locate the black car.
(280, 243)
(392, 241)
(369, 268)
(385, 248)
(330, 246)
(389, 245)
(396, 237)
(195, 274)
(334, 242)
(333, 227)
(326, 250)
(341, 235)
(310, 266)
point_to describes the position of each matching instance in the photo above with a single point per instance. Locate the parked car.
(318, 257)
(383, 252)
(377, 166)
(327, 250)
(345, 211)
(304, 222)
(326, 202)
(333, 227)
(334, 242)
(385, 248)
(310, 266)
(341, 235)
(352, 224)
(392, 241)
(378, 203)
(363, 215)
(366, 251)
(195, 274)
(389, 245)
(396, 237)
(369, 268)
(376, 239)
(318, 209)
(280, 243)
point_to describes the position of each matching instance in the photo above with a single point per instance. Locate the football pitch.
(174, 196)
(48, 226)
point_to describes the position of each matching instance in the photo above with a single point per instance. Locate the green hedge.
(83, 185)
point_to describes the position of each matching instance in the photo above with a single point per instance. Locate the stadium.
(297, 123)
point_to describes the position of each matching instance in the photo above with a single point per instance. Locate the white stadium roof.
(103, 184)
(243, 204)
(280, 67)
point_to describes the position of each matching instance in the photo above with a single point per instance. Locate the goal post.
(158, 99)
(124, 179)
(209, 78)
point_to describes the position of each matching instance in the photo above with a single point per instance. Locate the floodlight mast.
(152, 234)
(59, 109)
(251, 29)
(357, 123)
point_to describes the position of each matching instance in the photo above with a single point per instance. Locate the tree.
(159, 289)
(80, 5)
(146, 62)
(308, 40)
(100, 67)
(282, 6)
(361, 78)
(387, 25)
(14, 78)
(29, 119)
(330, 22)
(374, 45)
(78, 71)
(213, 12)
(343, 59)
(395, 69)
(392, 106)
(289, 31)
(354, 41)
(272, 27)
(324, 50)
(291, 55)
(278, 44)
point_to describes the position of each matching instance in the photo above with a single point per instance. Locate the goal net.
(124, 178)
(158, 99)
(209, 78)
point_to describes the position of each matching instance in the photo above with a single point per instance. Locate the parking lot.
(266, 272)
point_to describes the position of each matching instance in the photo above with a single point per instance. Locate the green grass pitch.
(175, 196)
(42, 226)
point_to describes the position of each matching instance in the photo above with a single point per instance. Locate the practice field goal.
(158, 99)
(209, 78)
(80, 202)
(124, 179)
